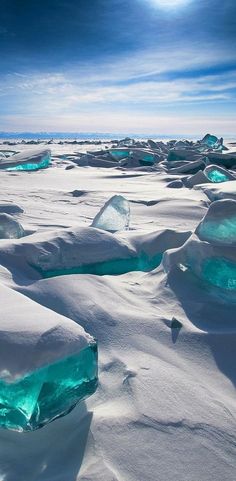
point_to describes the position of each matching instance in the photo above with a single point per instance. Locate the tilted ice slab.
(114, 215)
(10, 228)
(212, 142)
(210, 253)
(28, 160)
(48, 363)
(217, 174)
(228, 160)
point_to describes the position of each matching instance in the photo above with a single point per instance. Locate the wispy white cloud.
(111, 91)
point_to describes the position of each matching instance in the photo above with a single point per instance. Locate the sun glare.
(170, 3)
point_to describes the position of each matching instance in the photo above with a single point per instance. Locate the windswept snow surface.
(165, 406)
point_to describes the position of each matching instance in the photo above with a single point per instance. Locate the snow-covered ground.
(165, 406)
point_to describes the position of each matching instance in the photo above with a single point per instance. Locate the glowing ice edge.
(210, 253)
(32, 336)
(26, 161)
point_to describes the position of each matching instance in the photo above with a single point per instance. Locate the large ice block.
(28, 160)
(10, 228)
(219, 224)
(47, 363)
(114, 215)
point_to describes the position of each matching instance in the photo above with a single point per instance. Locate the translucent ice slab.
(113, 267)
(43, 164)
(212, 141)
(114, 215)
(10, 228)
(48, 393)
(217, 174)
(219, 224)
(220, 272)
(28, 160)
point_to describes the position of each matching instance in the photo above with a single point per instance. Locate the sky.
(143, 66)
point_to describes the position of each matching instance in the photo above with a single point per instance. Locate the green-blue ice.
(48, 393)
(112, 267)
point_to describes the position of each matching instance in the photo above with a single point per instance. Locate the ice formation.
(216, 174)
(28, 160)
(10, 228)
(47, 363)
(212, 142)
(219, 224)
(210, 253)
(114, 215)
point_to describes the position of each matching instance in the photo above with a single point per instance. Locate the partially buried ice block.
(28, 160)
(48, 363)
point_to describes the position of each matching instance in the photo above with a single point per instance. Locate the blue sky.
(145, 66)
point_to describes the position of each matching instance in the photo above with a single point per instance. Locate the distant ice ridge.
(210, 253)
(114, 215)
(10, 228)
(29, 160)
(47, 364)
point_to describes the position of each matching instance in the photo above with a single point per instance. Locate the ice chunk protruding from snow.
(212, 142)
(114, 215)
(10, 228)
(219, 224)
(210, 253)
(28, 160)
(217, 174)
(47, 363)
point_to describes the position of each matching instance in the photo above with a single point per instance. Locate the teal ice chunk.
(49, 392)
(220, 272)
(113, 267)
(220, 230)
(147, 159)
(114, 215)
(212, 142)
(216, 176)
(120, 154)
(43, 164)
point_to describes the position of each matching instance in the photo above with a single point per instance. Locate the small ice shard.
(212, 142)
(217, 174)
(114, 215)
(27, 160)
(10, 228)
(219, 224)
(48, 363)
